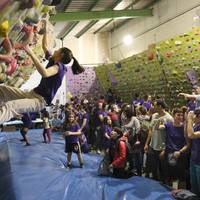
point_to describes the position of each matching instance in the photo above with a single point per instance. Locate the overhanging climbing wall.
(19, 21)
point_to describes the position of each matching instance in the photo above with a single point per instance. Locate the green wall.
(164, 75)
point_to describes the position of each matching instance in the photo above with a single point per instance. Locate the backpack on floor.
(129, 156)
(184, 195)
(103, 169)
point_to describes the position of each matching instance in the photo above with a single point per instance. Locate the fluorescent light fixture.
(127, 39)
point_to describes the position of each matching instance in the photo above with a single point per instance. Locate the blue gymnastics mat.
(38, 172)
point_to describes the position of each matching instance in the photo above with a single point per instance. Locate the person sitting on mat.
(120, 153)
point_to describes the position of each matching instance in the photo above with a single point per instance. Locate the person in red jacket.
(118, 154)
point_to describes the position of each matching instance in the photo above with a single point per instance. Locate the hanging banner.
(112, 78)
(192, 76)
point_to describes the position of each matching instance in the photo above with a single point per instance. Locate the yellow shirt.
(46, 122)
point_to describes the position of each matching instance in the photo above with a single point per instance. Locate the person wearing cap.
(195, 97)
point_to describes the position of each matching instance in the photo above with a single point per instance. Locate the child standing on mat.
(71, 134)
(27, 123)
(47, 127)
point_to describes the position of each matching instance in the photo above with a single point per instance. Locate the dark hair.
(142, 110)
(197, 111)
(136, 95)
(118, 131)
(67, 114)
(196, 85)
(105, 119)
(161, 103)
(46, 114)
(128, 112)
(146, 97)
(67, 57)
(177, 110)
(184, 109)
(76, 68)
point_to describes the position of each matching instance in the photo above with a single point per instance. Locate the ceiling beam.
(103, 26)
(68, 29)
(63, 5)
(87, 27)
(127, 20)
(93, 22)
(92, 15)
(108, 22)
(93, 5)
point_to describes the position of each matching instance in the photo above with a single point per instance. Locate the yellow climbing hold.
(37, 3)
(45, 9)
(4, 26)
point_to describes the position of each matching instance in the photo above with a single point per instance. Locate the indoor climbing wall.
(83, 83)
(165, 69)
(19, 23)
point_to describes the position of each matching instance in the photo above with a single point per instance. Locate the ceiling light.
(127, 39)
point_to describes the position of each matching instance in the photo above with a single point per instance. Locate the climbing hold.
(178, 42)
(12, 66)
(45, 9)
(168, 54)
(26, 39)
(37, 3)
(4, 26)
(150, 55)
(33, 17)
(2, 78)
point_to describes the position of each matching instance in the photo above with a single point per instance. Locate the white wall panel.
(90, 48)
(171, 17)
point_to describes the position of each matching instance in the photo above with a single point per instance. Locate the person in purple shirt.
(191, 104)
(194, 134)
(137, 100)
(27, 123)
(174, 162)
(147, 102)
(13, 101)
(71, 134)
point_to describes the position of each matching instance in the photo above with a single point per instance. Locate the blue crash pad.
(38, 172)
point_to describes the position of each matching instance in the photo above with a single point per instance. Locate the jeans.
(195, 178)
